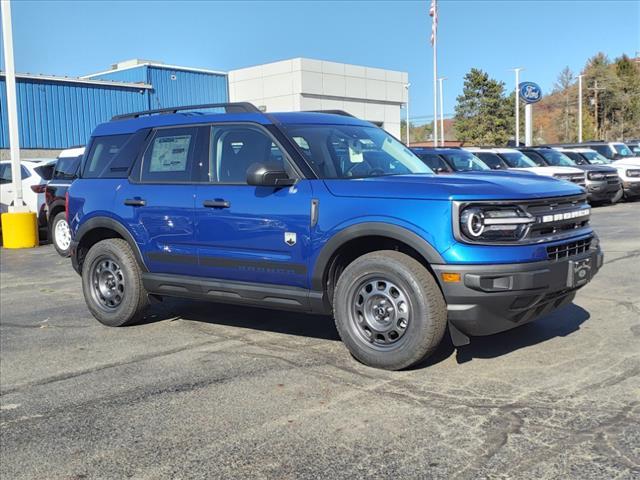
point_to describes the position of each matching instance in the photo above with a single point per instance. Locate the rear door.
(158, 200)
(248, 233)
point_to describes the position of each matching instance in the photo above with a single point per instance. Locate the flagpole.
(435, 81)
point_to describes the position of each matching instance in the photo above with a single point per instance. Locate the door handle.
(218, 203)
(135, 202)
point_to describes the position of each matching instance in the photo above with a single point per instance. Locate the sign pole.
(517, 92)
(528, 124)
(12, 108)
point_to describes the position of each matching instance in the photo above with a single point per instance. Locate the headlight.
(563, 176)
(596, 176)
(633, 173)
(492, 223)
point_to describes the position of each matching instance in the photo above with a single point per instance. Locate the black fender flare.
(378, 229)
(111, 224)
(55, 205)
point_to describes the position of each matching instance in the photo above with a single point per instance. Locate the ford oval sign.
(530, 92)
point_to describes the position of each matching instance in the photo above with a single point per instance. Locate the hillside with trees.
(611, 106)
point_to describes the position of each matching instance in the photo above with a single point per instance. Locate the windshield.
(595, 158)
(622, 150)
(434, 162)
(462, 161)
(556, 158)
(352, 151)
(491, 159)
(517, 160)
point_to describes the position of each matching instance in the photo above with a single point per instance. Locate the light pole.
(517, 70)
(580, 108)
(441, 113)
(12, 108)
(407, 85)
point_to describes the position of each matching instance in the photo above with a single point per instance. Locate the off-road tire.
(412, 285)
(112, 262)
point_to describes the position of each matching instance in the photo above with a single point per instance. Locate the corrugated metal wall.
(173, 88)
(55, 114)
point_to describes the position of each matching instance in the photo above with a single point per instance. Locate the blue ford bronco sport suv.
(322, 213)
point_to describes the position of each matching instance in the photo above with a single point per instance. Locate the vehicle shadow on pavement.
(276, 321)
(559, 323)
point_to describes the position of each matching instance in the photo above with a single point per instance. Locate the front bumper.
(494, 298)
(598, 191)
(631, 189)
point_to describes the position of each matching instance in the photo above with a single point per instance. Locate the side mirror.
(268, 175)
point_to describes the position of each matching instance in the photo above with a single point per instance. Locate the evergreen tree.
(482, 114)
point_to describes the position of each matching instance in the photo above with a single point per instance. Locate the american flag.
(433, 12)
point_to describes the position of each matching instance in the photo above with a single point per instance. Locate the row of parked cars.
(44, 187)
(608, 172)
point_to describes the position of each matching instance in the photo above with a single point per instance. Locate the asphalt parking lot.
(212, 391)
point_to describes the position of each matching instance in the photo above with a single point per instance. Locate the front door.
(247, 233)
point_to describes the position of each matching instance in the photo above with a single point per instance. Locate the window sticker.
(170, 154)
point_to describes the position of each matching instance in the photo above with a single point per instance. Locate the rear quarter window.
(66, 168)
(112, 156)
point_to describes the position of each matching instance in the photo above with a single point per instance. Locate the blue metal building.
(59, 112)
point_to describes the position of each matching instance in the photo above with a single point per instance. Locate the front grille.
(578, 180)
(569, 249)
(613, 178)
(548, 231)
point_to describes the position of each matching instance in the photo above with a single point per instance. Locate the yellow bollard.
(19, 230)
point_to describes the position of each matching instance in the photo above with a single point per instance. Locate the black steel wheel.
(112, 283)
(389, 310)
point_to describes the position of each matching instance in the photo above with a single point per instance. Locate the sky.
(77, 38)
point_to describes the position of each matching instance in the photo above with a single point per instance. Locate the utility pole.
(517, 70)
(596, 89)
(580, 108)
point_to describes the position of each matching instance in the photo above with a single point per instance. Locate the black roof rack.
(333, 112)
(233, 107)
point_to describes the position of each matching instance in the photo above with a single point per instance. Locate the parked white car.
(513, 159)
(35, 175)
(628, 168)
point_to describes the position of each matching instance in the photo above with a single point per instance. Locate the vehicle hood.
(596, 168)
(631, 162)
(549, 171)
(462, 186)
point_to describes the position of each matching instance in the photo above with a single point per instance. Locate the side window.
(235, 148)
(24, 171)
(5, 173)
(102, 160)
(66, 168)
(170, 156)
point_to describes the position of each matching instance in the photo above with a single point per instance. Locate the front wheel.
(112, 283)
(389, 310)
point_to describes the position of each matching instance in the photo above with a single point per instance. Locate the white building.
(302, 84)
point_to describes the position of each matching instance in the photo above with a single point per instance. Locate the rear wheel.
(112, 284)
(389, 310)
(61, 234)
